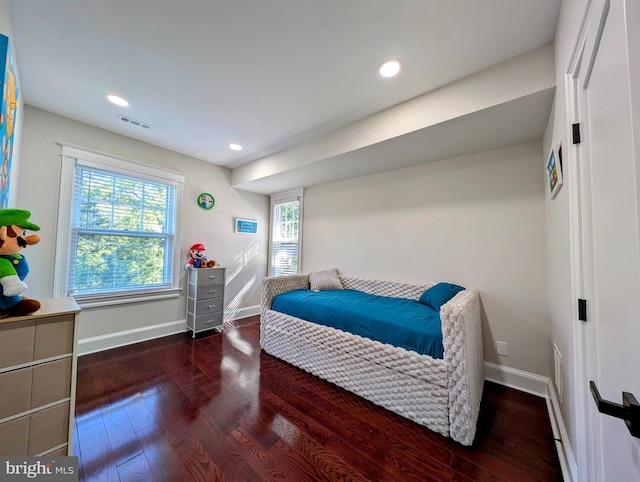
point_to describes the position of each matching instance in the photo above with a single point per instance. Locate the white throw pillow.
(325, 280)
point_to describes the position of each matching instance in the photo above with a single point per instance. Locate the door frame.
(577, 74)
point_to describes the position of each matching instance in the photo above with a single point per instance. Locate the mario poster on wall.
(7, 116)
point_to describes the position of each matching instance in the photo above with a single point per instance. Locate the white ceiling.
(265, 74)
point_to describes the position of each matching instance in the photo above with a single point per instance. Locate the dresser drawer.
(25, 341)
(51, 382)
(206, 276)
(15, 388)
(54, 336)
(35, 433)
(204, 292)
(33, 387)
(206, 322)
(16, 343)
(14, 437)
(205, 306)
(48, 428)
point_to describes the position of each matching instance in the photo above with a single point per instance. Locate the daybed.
(442, 394)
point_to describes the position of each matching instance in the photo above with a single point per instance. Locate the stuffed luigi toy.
(13, 266)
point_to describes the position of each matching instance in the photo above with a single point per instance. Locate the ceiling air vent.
(134, 122)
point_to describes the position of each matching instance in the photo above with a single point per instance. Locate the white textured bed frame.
(443, 395)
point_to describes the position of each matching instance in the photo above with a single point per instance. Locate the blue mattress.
(397, 321)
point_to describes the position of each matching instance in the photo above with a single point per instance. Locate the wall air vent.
(134, 122)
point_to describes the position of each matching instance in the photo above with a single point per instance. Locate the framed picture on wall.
(246, 226)
(554, 172)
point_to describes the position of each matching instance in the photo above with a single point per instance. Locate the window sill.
(99, 301)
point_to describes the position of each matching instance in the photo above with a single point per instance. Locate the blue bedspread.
(397, 321)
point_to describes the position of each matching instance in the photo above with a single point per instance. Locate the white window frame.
(72, 155)
(287, 196)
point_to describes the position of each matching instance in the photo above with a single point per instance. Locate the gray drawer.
(204, 292)
(205, 306)
(206, 322)
(206, 276)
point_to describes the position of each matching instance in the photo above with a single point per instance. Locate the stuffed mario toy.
(198, 258)
(13, 266)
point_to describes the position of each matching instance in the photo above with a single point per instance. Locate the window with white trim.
(120, 223)
(285, 233)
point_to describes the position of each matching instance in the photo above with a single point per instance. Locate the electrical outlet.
(502, 348)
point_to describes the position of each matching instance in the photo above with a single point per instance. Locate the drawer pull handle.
(629, 411)
(209, 322)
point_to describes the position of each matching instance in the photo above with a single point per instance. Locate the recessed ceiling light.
(235, 147)
(117, 100)
(390, 68)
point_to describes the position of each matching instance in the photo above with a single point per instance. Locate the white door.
(608, 85)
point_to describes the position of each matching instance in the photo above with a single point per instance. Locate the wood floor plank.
(75, 451)
(136, 469)
(196, 464)
(138, 412)
(163, 459)
(264, 466)
(98, 461)
(170, 420)
(225, 454)
(218, 408)
(293, 465)
(122, 437)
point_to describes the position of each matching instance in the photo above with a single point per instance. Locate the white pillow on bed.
(325, 280)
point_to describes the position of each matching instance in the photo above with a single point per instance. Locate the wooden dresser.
(38, 359)
(205, 301)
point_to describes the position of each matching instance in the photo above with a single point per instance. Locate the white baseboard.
(127, 337)
(518, 379)
(542, 387)
(113, 340)
(565, 454)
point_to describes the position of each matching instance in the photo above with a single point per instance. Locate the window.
(120, 225)
(285, 237)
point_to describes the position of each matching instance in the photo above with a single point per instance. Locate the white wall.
(244, 255)
(476, 220)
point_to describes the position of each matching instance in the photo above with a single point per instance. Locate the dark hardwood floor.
(217, 408)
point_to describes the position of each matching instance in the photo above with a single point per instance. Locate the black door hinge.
(582, 310)
(575, 129)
